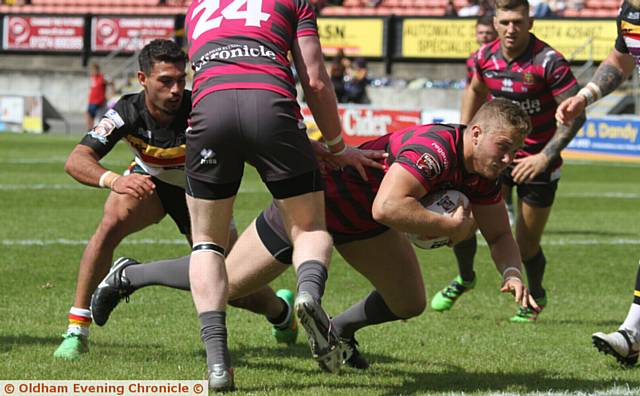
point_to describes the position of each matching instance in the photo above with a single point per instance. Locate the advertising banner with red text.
(128, 34)
(362, 123)
(42, 33)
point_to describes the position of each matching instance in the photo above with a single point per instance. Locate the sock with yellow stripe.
(79, 321)
(632, 322)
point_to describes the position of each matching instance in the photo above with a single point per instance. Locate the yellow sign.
(455, 38)
(357, 37)
(576, 39)
(438, 38)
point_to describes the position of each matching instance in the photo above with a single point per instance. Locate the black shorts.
(273, 235)
(231, 127)
(540, 192)
(173, 201)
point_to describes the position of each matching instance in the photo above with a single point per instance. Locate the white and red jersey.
(243, 44)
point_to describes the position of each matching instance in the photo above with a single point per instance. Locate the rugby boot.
(72, 346)
(325, 345)
(113, 288)
(355, 358)
(286, 333)
(528, 314)
(220, 378)
(622, 344)
(445, 298)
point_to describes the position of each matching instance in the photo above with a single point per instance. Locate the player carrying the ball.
(368, 220)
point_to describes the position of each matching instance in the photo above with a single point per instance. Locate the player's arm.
(527, 168)
(83, 164)
(616, 68)
(493, 222)
(321, 98)
(474, 96)
(396, 205)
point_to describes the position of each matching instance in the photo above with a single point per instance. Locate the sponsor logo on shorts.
(428, 165)
(208, 157)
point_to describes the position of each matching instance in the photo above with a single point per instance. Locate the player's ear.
(476, 131)
(142, 78)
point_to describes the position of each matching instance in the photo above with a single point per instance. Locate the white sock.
(632, 322)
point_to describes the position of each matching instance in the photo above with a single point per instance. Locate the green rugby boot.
(529, 315)
(445, 298)
(287, 333)
(72, 346)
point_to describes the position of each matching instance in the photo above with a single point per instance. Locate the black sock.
(312, 275)
(535, 272)
(465, 252)
(283, 315)
(370, 310)
(213, 333)
(171, 273)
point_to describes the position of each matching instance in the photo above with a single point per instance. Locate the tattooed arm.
(527, 168)
(564, 133)
(610, 74)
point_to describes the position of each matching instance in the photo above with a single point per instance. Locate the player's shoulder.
(129, 107)
(486, 51)
(543, 53)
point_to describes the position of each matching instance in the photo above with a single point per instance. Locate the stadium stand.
(574, 8)
(98, 7)
(585, 9)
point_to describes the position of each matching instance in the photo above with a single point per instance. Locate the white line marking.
(148, 241)
(611, 194)
(78, 186)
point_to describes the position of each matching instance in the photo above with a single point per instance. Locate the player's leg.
(123, 215)
(214, 166)
(283, 156)
(624, 344)
(534, 207)
(261, 255)
(389, 262)
(465, 252)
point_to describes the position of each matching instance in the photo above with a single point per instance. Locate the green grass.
(472, 349)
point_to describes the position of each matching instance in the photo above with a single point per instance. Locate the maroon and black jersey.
(432, 153)
(471, 60)
(243, 44)
(532, 80)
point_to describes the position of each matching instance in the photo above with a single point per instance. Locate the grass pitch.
(591, 243)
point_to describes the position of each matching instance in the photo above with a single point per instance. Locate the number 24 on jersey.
(252, 16)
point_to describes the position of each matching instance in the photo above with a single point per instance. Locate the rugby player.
(524, 69)
(153, 124)
(245, 110)
(368, 219)
(623, 344)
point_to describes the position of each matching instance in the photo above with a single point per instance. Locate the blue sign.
(609, 136)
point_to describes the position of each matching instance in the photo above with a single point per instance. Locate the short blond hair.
(500, 114)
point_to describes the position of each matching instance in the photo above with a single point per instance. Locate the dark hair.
(160, 50)
(511, 5)
(485, 20)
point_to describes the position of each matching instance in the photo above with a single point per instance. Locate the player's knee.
(411, 306)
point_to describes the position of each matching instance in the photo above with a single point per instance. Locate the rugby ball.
(444, 202)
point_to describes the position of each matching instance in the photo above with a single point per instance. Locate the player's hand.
(570, 108)
(359, 159)
(520, 292)
(527, 168)
(134, 184)
(464, 224)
